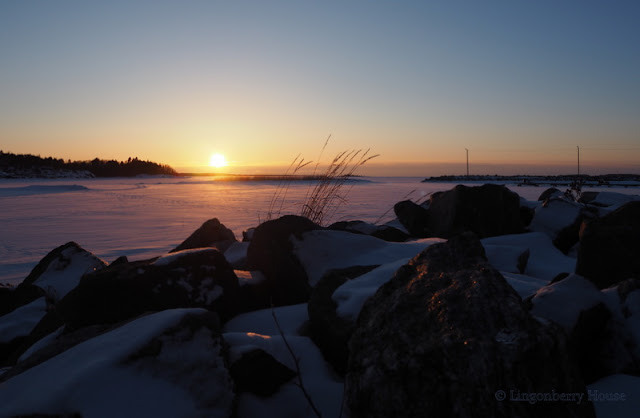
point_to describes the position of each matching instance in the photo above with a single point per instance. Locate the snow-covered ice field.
(146, 217)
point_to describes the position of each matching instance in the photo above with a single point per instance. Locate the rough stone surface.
(445, 335)
(198, 279)
(211, 234)
(413, 217)
(487, 210)
(271, 251)
(609, 247)
(257, 372)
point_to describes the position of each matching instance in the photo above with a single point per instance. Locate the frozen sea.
(146, 217)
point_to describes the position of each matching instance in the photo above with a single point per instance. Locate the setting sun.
(217, 161)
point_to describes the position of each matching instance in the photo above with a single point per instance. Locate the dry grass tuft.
(327, 192)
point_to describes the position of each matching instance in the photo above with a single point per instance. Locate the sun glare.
(217, 161)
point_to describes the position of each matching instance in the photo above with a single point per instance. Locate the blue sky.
(520, 84)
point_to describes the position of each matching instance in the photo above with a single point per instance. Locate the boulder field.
(474, 303)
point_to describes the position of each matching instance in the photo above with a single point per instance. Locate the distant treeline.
(98, 167)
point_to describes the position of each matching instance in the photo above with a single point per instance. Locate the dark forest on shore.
(16, 164)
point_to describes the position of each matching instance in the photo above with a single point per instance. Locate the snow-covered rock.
(599, 338)
(545, 260)
(61, 270)
(322, 250)
(616, 396)
(166, 364)
(270, 251)
(185, 279)
(258, 330)
(236, 255)
(446, 335)
(20, 322)
(384, 232)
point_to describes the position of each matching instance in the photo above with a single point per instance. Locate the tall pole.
(578, 160)
(467, 161)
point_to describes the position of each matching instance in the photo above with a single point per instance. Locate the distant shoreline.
(603, 180)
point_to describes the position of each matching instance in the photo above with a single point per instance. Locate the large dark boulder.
(271, 251)
(413, 217)
(211, 234)
(193, 278)
(609, 247)
(329, 331)
(448, 336)
(487, 210)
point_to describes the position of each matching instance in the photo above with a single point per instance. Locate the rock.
(190, 278)
(257, 372)
(236, 255)
(526, 215)
(384, 232)
(523, 259)
(61, 270)
(248, 234)
(12, 298)
(413, 217)
(169, 363)
(211, 234)
(549, 193)
(588, 197)
(598, 340)
(626, 287)
(560, 219)
(16, 326)
(446, 334)
(327, 329)
(270, 251)
(120, 260)
(487, 210)
(609, 247)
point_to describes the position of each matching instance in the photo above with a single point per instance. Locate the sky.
(519, 84)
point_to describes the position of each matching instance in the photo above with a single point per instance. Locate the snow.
(558, 213)
(92, 379)
(563, 301)
(258, 330)
(43, 342)
(146, 217)
(351, 296)
(236, 253)
(40, 190)
(623, 387)
(291, 319)
(21, 321)
(167, 259)
(614, 200)
(64, 273)
(322, 250)
(545, 260)
(524, 285)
